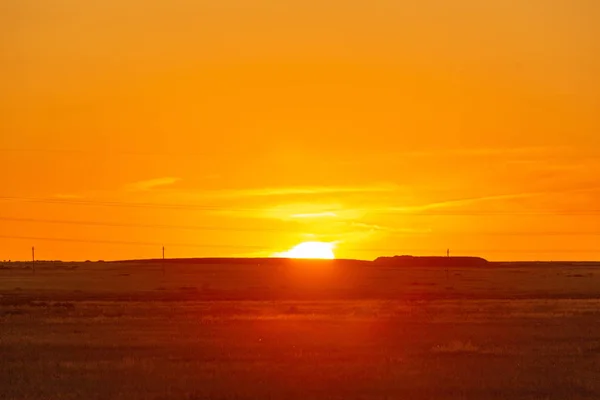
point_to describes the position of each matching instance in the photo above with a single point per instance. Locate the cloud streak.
(388, 229)
(294, 191)
(150, 184)
(461, 202)
(68, 196)
(326, 214)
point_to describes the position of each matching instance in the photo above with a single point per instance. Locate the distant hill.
(263, 261)
(411, 261)
(396, 261)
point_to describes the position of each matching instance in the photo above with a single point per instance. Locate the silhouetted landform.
(450, 262)
(264, 261)
(395, 261)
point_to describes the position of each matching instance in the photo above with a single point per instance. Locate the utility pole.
(33, 259)
(163, 260)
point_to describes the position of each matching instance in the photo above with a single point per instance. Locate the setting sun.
(320, 250)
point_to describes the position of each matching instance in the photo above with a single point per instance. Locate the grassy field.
(299, 331)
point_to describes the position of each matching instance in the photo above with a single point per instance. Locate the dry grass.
(142, 343)
(456, 346)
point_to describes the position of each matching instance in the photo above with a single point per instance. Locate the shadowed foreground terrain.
(299, 330)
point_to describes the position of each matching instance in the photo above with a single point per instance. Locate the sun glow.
(315, 250)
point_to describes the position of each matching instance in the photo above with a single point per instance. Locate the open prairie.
(299, 330)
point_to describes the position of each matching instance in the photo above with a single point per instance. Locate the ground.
(299, 331)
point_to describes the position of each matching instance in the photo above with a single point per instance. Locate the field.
(299, 330)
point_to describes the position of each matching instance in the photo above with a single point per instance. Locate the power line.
(132, 243)
(198, 207)
(125, 204)
(458, 252)
(106, 152)
(136, 225)
(270, 248)
(274, 230)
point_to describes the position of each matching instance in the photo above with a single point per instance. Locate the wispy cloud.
(346, 237)
(388, 229)
(325, 214)
(68, 196)
(527, 151)
(151, 184)
(461, 202)
(537, 153)
(359, 232)
(310, 211)
(298, 190)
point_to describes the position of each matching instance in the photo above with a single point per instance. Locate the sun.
(316, 250)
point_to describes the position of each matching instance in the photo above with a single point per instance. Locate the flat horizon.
(216, 127)
(293, 259)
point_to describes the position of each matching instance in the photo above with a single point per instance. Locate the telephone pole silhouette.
(33, 259)
(163, 260)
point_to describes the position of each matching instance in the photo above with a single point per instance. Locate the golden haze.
(240, 128)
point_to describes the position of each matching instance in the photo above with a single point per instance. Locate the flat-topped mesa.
(411, 261)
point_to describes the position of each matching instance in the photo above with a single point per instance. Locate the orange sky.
(237, 127)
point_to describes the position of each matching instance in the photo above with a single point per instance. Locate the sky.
(243, 128)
